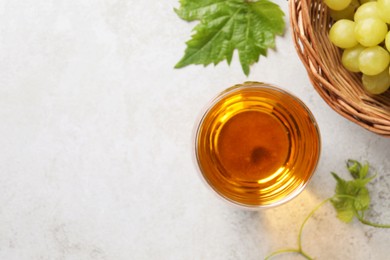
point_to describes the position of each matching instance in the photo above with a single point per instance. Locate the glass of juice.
(256, 145)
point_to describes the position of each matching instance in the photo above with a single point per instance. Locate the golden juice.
(256, 145)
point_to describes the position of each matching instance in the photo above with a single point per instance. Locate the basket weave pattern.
(341, 89)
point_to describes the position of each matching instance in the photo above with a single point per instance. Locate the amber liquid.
(257, 145)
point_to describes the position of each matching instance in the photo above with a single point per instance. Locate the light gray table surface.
(96, 143)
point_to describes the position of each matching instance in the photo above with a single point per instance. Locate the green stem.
(289, 250)
(303, 253)
(369, 223)
(299, 250)
(306, 219)
(281, 251)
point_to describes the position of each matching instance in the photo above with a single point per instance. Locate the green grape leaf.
(352, 197)
(357, 170)
(362, 199)
(344, 201)
(345, 214)
(354, 168)
(249, 27)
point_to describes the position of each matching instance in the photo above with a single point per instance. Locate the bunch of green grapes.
(362, 31)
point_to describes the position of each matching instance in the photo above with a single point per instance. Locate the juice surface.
(252, 145)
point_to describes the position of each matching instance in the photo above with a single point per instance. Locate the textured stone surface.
(95, 143)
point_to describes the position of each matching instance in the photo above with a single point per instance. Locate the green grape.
(370, 31)
(346, 13)
(342, 34)
(376, 84)
(350, 58)
(384, 10)
(373, 60)
(367, 10)
(337, 4)
(366, 1)
(387, 41)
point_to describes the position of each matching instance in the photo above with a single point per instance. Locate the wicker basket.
(341, 89)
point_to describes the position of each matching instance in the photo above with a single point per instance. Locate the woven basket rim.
(339, 88)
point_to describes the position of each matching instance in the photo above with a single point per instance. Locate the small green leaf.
(352, 197)
(340, 181)
(364, 171)
(362, 200)
(354, 168)
(344, 187)
(249, 27)
(345, 215)
(361, 183)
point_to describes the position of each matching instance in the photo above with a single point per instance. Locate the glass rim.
(198, 123)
